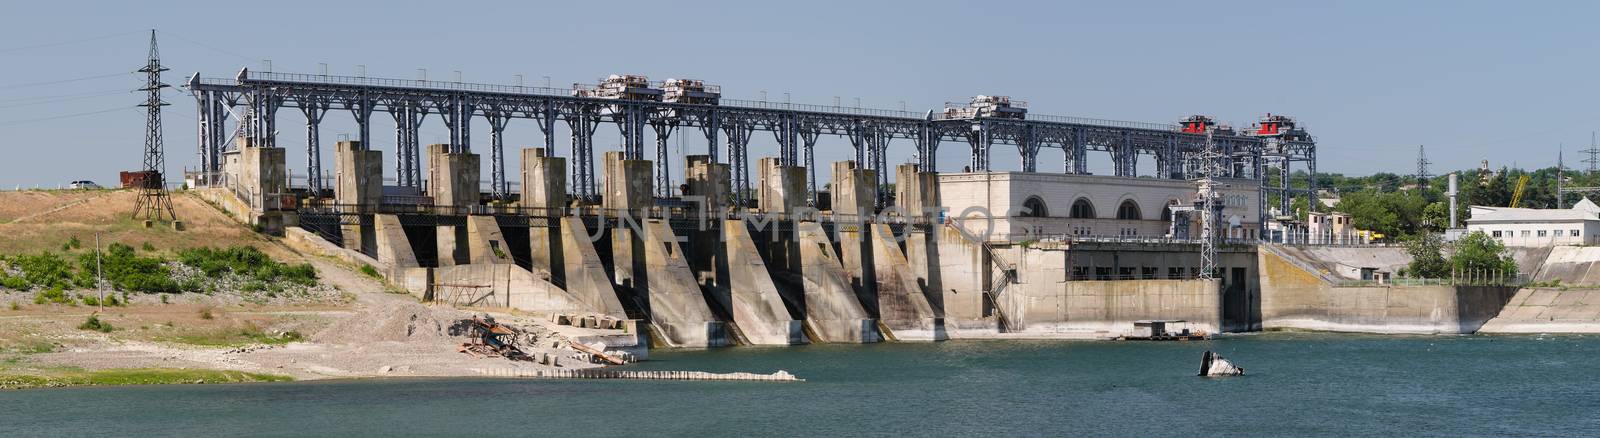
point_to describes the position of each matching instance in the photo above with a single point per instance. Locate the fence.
(1470, 277)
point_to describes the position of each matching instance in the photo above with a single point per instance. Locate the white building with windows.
(1538, 227)
(1026, 205)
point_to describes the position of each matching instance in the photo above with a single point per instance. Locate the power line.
(207, 46)
(65, 99)
(63, 116)
(86, 93)
(63, 43)
(63, 81)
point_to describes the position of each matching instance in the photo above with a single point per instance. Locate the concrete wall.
(496, 285)
(1548, 310)
(964, 273)
(1043, 303)
(1294, 298)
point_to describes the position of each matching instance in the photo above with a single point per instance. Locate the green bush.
(91, 300)
(371, 272)
(53, 295)
(148, 247)
(45, 269)
(94, 323)
(14, 283)
(72, 243)
(247, 261)
(128, 271)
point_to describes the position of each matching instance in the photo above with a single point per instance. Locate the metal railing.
(1104, 122)
(1472, 277)
(830, 109)
(251, 75)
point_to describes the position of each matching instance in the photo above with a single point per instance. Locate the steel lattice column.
(808, 138)
(1029, 150)
(497, 165)
(314, 110)
(738, 132)
(663, 129)
(583, 124)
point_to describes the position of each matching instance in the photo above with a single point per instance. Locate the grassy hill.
(38, 220)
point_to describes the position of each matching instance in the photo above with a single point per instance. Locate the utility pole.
(99, 275)
(1559, 167)
(153, 200)
(1422, 169)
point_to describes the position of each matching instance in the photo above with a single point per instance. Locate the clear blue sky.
(1502, 81)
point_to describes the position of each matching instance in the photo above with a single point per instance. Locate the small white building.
(1538, 227)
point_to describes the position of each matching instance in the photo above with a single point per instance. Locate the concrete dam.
(703, 274)
(716, 258)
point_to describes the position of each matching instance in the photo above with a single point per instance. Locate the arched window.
(1082, 209)
(1166, 211)
(1128, 210)
(1034, 207)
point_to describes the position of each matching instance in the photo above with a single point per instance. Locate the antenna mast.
(153, 201)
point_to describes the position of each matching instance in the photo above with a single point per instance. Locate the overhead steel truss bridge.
(252, 99)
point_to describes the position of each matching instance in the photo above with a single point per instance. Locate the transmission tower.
(1209, 208)
(1594, 153)
(1422, 169)
(153, 201)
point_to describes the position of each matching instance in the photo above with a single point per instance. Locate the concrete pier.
(903, 305)
(544, 186)
(453, 184)
(650, 266)
(854, 193)
(627, 193)
(358, 182)
(677, 307)
(758, 307)
(485, 243)
(832, 312)
(394, 248)
(585, 272)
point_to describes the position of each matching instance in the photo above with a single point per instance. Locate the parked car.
(84, 184)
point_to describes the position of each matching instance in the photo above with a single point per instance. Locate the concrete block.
(782, 186)
(358, 175)
(453, 177)
(707, 180)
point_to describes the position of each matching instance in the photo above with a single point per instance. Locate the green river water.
(1298, 384)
